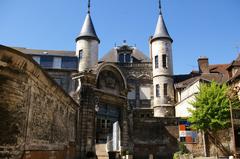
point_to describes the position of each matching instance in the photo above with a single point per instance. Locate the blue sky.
(198, 27)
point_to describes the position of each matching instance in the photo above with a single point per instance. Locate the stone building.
(63, 104)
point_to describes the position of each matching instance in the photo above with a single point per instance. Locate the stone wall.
(218, 143)
(38, 119)
(154, 136)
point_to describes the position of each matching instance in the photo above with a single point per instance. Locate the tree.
(211, 108)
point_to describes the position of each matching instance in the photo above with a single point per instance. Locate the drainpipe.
(233, 134)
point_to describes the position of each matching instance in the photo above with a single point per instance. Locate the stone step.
(101, 151)
(103, 157)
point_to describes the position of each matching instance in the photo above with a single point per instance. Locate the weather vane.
(160, 7)
(89, 6)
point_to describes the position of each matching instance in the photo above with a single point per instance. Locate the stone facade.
(38, 119)
(104, 86)
(68, 109)
(138, 77)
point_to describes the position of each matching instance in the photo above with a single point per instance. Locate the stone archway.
(111, 88)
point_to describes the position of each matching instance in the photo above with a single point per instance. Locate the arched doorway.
(112, 92)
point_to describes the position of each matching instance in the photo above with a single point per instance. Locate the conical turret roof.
(88, 31)
(161, 30)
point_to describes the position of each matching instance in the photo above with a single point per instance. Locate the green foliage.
(182, 151)
(211, 107)
(176, 155)
(182, 148)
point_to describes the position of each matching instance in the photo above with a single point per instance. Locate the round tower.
(162, 63)
(87, 44)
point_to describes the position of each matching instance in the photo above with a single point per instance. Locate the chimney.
(203, 64)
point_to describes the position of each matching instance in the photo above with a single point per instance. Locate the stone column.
(124, 136)
(87, 132)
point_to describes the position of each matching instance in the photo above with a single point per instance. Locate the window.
(80, 55)
(124, 58)
(165, 85)
(128, 58)
(46, 61)
(164, 61)
(157, 90)
(37, 59)
(132, 94)
(103, 124)
(98, 123)
(69, 62)
(108, 124)
(57, 62)
(156, 61)
(121, 58)
(145, 92)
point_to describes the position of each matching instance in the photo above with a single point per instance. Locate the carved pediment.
(110, 82)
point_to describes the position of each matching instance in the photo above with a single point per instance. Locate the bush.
(182, 151)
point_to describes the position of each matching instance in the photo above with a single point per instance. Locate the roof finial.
(160, 7)
(89, 6)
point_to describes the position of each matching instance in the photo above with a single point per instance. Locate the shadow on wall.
(12, 115)
(156, 139)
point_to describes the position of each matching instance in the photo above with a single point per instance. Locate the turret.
(161, 53)
(87, 44)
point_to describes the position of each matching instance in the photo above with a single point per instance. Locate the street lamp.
(96, 102)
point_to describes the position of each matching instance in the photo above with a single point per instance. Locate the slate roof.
(88, 30)
(161, 30)
(45, 52)
(112, 55)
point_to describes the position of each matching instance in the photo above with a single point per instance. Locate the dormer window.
(127, 58)
(124, 53)
(124, 58)
(121, 58)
